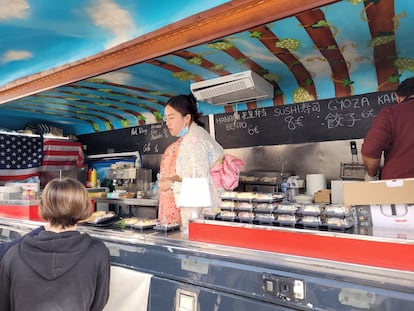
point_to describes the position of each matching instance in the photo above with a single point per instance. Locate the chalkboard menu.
(324, 120)
(147, 139)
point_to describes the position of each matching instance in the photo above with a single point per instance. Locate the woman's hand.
(166, 183)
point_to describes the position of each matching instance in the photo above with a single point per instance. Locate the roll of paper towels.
(314, 183)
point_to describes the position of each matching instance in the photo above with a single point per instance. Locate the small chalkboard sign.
(324, 120)
(147, 139)
(152, 138)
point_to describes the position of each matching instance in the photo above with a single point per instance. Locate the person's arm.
(371, 165)
(6, 246)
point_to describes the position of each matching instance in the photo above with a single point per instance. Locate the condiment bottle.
(94, 178)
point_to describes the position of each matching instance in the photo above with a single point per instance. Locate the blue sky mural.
(346, 48)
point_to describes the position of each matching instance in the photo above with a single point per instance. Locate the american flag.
(20, 156)
(23, 156)
(61, 154)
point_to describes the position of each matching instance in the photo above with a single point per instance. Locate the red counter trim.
(345, 249)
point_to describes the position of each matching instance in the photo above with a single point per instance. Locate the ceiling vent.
(238, 87)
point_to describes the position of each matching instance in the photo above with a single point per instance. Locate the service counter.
(222, 277)
(21, 209)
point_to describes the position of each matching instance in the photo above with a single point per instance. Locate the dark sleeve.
(102, 282)
(4, 286)
(4, 247)
(379, 137)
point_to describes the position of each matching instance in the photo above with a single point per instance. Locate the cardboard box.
(322, 196)
(395, 191)
(337, 191)
(382, 208)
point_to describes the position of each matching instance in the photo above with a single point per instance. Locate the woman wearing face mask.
(192, 155)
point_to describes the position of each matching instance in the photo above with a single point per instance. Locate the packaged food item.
(311, 221)
(245, 206)
(339, 222)
(229, 195)
(245, 196)
(264, 208)
(286, 208)
(262, 218)
(337, 210)
(286, 219)
(264, 197)
(228, 205)
(228, 215)
(246, 216)
(310, 209)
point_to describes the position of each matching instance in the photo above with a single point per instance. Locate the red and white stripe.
(60, 154)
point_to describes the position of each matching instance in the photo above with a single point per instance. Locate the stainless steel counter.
(227, 277)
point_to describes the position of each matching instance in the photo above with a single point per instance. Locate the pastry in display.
(225, 204)
(229, 195)
(265, 218)
(99, 217)
(130, 221)
(264, 207)
(245, 196)
(245, 206)
(246, 216)
(263, 197)
(228, 215)
(145, 223)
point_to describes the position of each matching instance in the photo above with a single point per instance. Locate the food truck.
(289, 87)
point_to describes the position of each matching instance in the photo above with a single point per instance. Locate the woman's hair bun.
(192, 99)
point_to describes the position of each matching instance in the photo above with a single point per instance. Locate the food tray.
(246, 217)
(286, 208)
(245, 196)
(147, 225)
(264, 208)
(278, 197)
(244, 207)
(310, 210)
(339, 223)
(229, 195)
(338, 210)
(167, 227)
(286, 220)
(311, 221)
(101, 224)
(108, 217)
(230, 216)
(265, 218)
(210, 216)
(264, 197)
(228, 205)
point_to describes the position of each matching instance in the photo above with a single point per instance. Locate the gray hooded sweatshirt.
(64, 271)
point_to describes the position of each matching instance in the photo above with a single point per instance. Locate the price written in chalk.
(323, 120)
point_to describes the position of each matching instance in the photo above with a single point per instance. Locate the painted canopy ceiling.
(345, 48)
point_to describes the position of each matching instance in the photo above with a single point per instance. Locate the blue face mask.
(183, 131)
